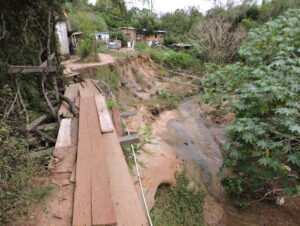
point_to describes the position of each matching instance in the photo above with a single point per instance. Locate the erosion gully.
(199, 147)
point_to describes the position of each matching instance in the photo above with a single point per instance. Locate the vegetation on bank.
(263, 92)
(178, 205)
(18, 170)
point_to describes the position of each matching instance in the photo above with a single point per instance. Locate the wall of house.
(62, 33)
(132, 34)
(157, 37)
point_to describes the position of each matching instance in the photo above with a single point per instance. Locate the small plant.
(17, 170)
(241, 204)
(179, 205)
(85, 48)
(145, 135)
(140, 46)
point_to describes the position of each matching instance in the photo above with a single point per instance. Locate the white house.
(104, 36)
(62, 33)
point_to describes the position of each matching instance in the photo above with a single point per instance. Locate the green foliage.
(145, 135)
(17, 170)
(119, 36)
(180, 205)
(263, 92)
(113, 12)
(87, 22)
(144, 21)
(178, 24)
(172, 59)
(85, 48)
(140, 46)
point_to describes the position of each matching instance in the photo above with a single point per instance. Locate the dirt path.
(74, 64)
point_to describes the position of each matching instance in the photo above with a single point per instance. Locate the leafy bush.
(172, 59)
(179, 60)
(140, 46)
(179, 205)
(263, 92)
(85, 48)
(17, 170)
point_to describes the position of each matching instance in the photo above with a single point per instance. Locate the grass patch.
(17, 169)
(123, 54)
(180, 205)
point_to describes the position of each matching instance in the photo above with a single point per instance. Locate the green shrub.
(17, 170)
(172, 59)
(179, 60)
(179, 205)
(263, 92)
(140, 46)
(85, 48)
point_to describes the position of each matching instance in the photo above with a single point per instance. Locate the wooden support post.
(14, 69)
(117, 121)
(129, 140)
(129, 113)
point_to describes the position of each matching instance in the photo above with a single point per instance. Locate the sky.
(163, 6)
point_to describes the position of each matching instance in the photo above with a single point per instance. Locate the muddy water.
(200, 149)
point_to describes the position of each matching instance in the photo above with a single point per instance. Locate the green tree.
(263, 92)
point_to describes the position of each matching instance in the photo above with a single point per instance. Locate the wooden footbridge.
(104, 190)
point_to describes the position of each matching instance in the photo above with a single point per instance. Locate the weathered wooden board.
(14, 69)
(82, 209)
(36, 122)
(117, 121)
(129, 140)
(129, 113)
(129, 209)
(64, 134)
(104, 116)
(47, 126)
(103, 211)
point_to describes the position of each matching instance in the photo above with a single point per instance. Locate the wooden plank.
(64, 134)
(82, 195)
(36, 122)
(47, 126)
(103, 211)
(129, 140)
(129, 113)
(92, 87)
(117, 121)
(123, 192)
(103, 114)
(14, 69)
(84, 90)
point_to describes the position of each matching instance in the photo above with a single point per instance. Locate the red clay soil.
(75, 64)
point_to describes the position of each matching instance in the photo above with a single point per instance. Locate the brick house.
(133, 35)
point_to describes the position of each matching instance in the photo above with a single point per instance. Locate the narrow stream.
(199, 147)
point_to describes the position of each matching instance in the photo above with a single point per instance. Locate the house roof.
(127, 28)
(132, 28)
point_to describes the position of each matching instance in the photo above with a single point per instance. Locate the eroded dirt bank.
(184, 138)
